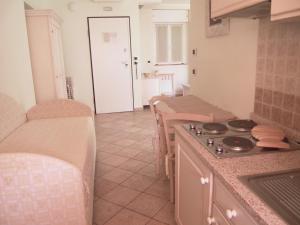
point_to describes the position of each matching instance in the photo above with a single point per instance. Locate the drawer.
(217, 217)
(230, 207)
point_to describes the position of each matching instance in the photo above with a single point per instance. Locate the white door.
(111, 64)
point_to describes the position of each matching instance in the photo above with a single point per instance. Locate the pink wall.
(277, 94)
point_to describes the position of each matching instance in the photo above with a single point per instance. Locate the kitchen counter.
(230, 169)
(194, 105)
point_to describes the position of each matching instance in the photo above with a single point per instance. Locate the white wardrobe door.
(58, 62)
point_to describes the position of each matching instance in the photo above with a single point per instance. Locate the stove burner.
(215, 128)
(241, 125)
(238, 144)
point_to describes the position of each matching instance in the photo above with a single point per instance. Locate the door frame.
(91, 59)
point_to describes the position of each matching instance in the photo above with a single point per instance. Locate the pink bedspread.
(53, 165)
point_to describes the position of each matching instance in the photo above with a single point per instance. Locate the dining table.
(194, 105)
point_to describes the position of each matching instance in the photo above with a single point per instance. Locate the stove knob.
(198, 132)
(192, 126)
(210, 141)
(219, 149)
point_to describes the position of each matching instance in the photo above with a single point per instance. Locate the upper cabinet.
(287, 9)
(278, 9)
(221, 8)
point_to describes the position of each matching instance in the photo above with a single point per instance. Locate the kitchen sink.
(281, 191)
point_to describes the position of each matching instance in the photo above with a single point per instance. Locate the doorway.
(111, 60)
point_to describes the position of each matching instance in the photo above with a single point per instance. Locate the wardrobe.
(46, 53)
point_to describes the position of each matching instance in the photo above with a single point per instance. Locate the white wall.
(226, 65)
(15, 68)
(76, 43)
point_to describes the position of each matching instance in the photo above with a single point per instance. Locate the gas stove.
(230, 139)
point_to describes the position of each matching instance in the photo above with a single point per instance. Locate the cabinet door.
(287, 9)
(58, 61)
(192, 190)
(217, 218)
(223, 7)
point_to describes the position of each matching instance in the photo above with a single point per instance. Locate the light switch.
(195, 51)
(194, 71)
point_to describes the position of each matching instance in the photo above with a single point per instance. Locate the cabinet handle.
(204, 180)
(211, 220)
(231, 213)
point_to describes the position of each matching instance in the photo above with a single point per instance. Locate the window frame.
(169, 43)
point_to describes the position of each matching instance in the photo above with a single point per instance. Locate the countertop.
(230, 169)
(195, 105)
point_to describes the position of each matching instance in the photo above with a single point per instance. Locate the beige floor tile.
(102, 169)
(117, 175)
(137, 136)
(145, 156)
(103, 186)
(124, 142)
(114, 160)
(107, 139)
(155, 222)
(133, 165)
(128, 217)
(149, 170)
(100, 145)
(147, 205)
(133, 129)
(121, 195)
(166, 214)
(110, 148)
(126, 157)
(128, 152)
(160, 188)
(101, 156)
(103, 211)
(138, 182)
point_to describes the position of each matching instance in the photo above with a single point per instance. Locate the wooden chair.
(169, 120)
(158, 140)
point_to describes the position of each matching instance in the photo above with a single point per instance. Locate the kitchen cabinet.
(287, 10)
(223, 7)
(200, 197)
(229, 206)
(193, 186)
(217, 217)
(46, 54)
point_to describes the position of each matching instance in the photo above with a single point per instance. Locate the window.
(170, 43)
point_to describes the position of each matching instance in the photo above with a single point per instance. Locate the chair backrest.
(172, 119)
(157, 118)
(166, 83)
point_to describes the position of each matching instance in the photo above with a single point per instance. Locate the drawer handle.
(231, 213)
(204, 180)
(211, 220)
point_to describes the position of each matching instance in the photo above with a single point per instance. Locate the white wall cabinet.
(288, 10)
(46, 54)
(200, 197)
(223, 7)
(192, 188)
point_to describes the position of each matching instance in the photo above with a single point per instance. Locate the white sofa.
(47, 161)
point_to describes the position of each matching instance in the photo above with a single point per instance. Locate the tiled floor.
(127, 190)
